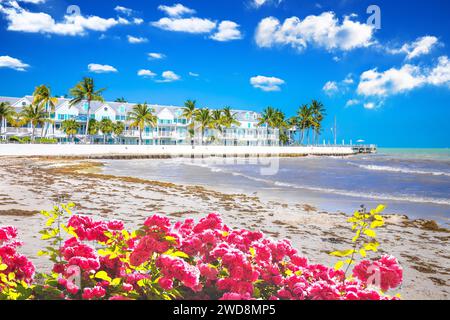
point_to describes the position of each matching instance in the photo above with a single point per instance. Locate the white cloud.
(260, 3)
(369, 105)
(324, 31)
(20, 19)
(440, 75)
(32, 1)
(392, 81)
(135, 40)
(146, 73)
(348, 79)
(169, 76)
(228, 30)
(330, 87)
(124, 10)
(156, 56)
(176, 10)
(333, 87)
(13, 63)
(407, 78)
(138, 20)
(101, 68)
(190, 25)
(421, 46)
(266, 83)
(352, 102)
(193, 74)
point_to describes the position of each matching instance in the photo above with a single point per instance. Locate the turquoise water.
(413, 182)
(416, 153)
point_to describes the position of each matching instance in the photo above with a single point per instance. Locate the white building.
(172, 127)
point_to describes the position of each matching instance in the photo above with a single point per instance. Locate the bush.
(46, 140)
(185, 260)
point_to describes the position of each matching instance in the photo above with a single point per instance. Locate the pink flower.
(385, 272)
(321, 290)
(7, 233)
(93, 293)
(157, 223)
(236, 296)
(165, 283)
(115, 225)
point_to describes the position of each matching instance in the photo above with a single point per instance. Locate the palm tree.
(204, 120)
(279, 122)
(70, 128)
(6, 112)
(217, 120)
(106, 126)
(142, 115)
(318, 114)
(94, 127)
(43, 97)
(305, 120)
(189, 113)
(85, 90)
(267, 117)
(35, 115)
(118, 128)
(16, 120)
(229, 118)
(122, 99)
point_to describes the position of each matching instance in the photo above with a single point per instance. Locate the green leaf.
(102, 275)
(342, 253)
(180, 254)
(376, 224)
(380, 208)
(338, 265)
(370, 233)
(42, 253)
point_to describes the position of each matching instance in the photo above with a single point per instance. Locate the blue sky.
(389, 86)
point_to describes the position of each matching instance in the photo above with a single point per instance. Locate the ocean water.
(413, 182)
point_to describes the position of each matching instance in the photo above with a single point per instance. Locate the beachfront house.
(171, 129)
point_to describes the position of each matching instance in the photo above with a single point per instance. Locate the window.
(105, 109)
(249, 125)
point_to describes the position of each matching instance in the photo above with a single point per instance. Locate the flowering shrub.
(16, 271)
(185, 260)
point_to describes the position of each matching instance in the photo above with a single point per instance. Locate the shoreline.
(420, 246)
(161, 151)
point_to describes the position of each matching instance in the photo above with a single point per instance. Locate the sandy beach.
(32, 184)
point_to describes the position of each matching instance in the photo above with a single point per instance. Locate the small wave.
(399, 169)
(377, 196)
(354, 194)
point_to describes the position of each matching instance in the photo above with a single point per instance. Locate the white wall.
(85, 150)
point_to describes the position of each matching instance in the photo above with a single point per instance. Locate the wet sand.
(32, 184)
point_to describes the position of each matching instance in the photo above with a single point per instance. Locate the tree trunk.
(32, 132)
(140, 136)
(104, 138)
(86, 134)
